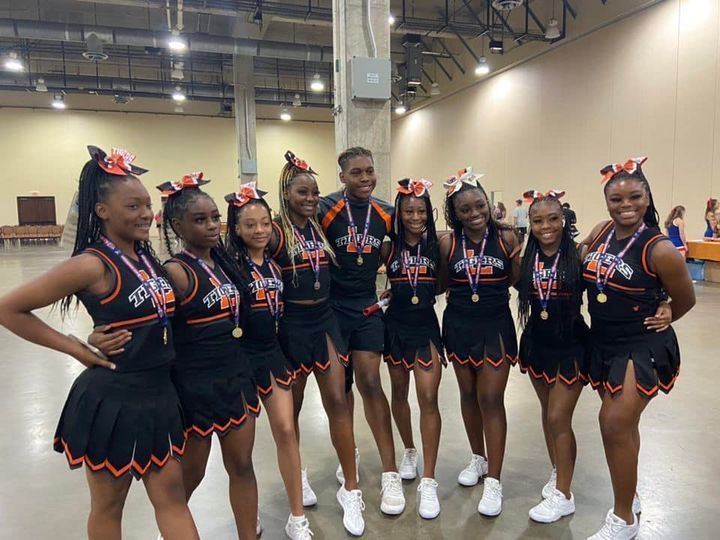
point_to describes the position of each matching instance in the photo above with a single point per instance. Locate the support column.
(361, 123)
(245, 127)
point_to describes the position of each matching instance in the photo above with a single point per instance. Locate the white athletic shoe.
(428, 503)
(553, 508)
(549, 487)
(341, 476)
(637, 506)
(298, 528)
(491, 503)
(258, 527)
(353, 507)
(476, 469)
(616, 529)
(309, 497)
(392, 497)
(408, 465)
(159, 537)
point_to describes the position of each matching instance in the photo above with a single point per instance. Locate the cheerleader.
(675, 227)
(309, 333)
(629, 270)
(711, 221)
(412, 332)
(248, 235)
(552, 346)
(481, 260)
(122, 419)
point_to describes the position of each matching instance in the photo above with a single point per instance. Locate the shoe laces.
(410, 456)
(611, 529)
(391, 485)
(301, 529)
(474, 465)
(355, 504)
(428, 489)
(492, 490)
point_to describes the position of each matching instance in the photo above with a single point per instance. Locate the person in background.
(571, 218)
(675, 226)
(520, 220)
(711, 221)
(500, 212)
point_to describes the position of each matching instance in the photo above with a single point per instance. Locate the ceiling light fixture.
(434, 89)
(58, 101)
(178, 95)
(483, 68)
(400, 108)
(176, 43)
(296, 101)
(391, 19)
(317, 85)
(285, 116)
(13, 63)
(496, 46)
(40, 86)
(553, 29)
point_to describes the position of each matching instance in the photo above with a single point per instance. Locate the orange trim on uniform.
(614, 285)
(210, 318)
(128, 322)
(605, 228)
(196, 280)
(404, 279)
(643, 257)
(452, 247)
(486, 280)
(502, 244)
(118, 278)
(332, 213)
(303, 265)
(387, 218)
(281, 239)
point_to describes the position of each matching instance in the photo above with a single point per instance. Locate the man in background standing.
(571, 218)
(520, 220)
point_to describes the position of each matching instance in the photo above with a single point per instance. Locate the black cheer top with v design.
(259, 332)
(300, 284)
(495, 270)
(633, 291)
(397, 273)
(130, 304)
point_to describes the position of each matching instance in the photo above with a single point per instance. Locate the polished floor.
(40, 498)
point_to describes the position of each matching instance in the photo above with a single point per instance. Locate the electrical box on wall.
(370, 78)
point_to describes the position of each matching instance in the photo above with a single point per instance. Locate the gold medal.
(359, 260)
(601, 297)
(475, 297)
(316, 286)
(544, 315)
(237, 332)
(415, 299)
(165, 335)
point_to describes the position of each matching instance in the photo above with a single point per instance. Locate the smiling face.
(627, 201)
(359, 177)
(199, 226)
(126, 211)
(471, 209)
(302, 196)
(546, 223)
(413, 214)
(254, 225)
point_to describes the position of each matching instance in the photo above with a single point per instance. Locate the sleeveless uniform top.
(633, 290)
(494, 280)
(129, 304)
(259, 332)
(300, 285)
(708, 230)
(674, 235)
(397, 273)
(350, 280)
(204, 319)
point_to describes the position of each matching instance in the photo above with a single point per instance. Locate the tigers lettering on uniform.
(423, 262)
(606, 260)
(145, 290)
(348, 242)
(471, 262)
(220, 294)
(311, 246)
(261, 284)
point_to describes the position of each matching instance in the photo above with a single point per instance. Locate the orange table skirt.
(707, 251)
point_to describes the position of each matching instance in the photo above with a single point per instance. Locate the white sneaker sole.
(429, 515)
(309, 503)
(354, 533)
(469, 483)
(407, 475)
(496, 514)
(392, 510)
(550, 520)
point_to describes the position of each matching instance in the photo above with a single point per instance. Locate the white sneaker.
(637, 506)
(408, 465)
(428, 503)
(309, 497)
(341, 476)
(298, 528)
(353, 507)
(476, 469)
(553, 508)
(491, 503)
(616, 529)
(258, 527)
(549, 487)
(392, 497)
(159, 537)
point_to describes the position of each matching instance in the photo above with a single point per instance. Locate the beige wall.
(44, 151)
(647, 85)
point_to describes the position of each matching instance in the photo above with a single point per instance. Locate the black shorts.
(358, 332)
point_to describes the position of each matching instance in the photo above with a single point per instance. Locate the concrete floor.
(40, 498)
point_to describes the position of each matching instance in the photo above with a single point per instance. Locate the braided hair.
(569, 274)
(429, 237)
(94, 187)
(452, 220)
(651, 217)
(350, 153)
(236, 248)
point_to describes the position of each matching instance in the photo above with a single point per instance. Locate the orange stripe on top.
(593, 277)
(146, 318)
(187, 267)
(118, 278)
(452, 247)
(200, 320)
(281, 239)
(502, 244)
(332, 213)
(643, 257)
(601, 233)
(384, 215)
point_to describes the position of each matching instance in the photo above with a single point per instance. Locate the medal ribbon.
(412, 280)
(600, 280)
(158, 296)
(273, 309)
(313, 253)
(474, 282)
(544, 295)
(353, 228)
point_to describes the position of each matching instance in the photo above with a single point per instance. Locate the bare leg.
(166, 492)
(543, 394)
(562, 401)
(298, 391)
(491, 385)
(470, 408)
(107, 499)
(237, 447)
(400, 380)
(427, 383)
(194, 462)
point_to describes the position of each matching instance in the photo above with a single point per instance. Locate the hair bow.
(119, 162)
(298, 163)
(463, 176)
(631, 166)
(247, 193)
(534, 195)
(410, 186)
(192, 181)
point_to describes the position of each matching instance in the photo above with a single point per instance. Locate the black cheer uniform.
(411, 328)
(352, 285)
(304, 328)
(475, 332)
(553, 349)
(212, 376)
(260, 334)
(129, 419)
(617, 332)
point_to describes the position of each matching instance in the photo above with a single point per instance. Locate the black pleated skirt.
(408, 335)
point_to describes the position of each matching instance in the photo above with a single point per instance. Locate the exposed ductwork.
(17, 29)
